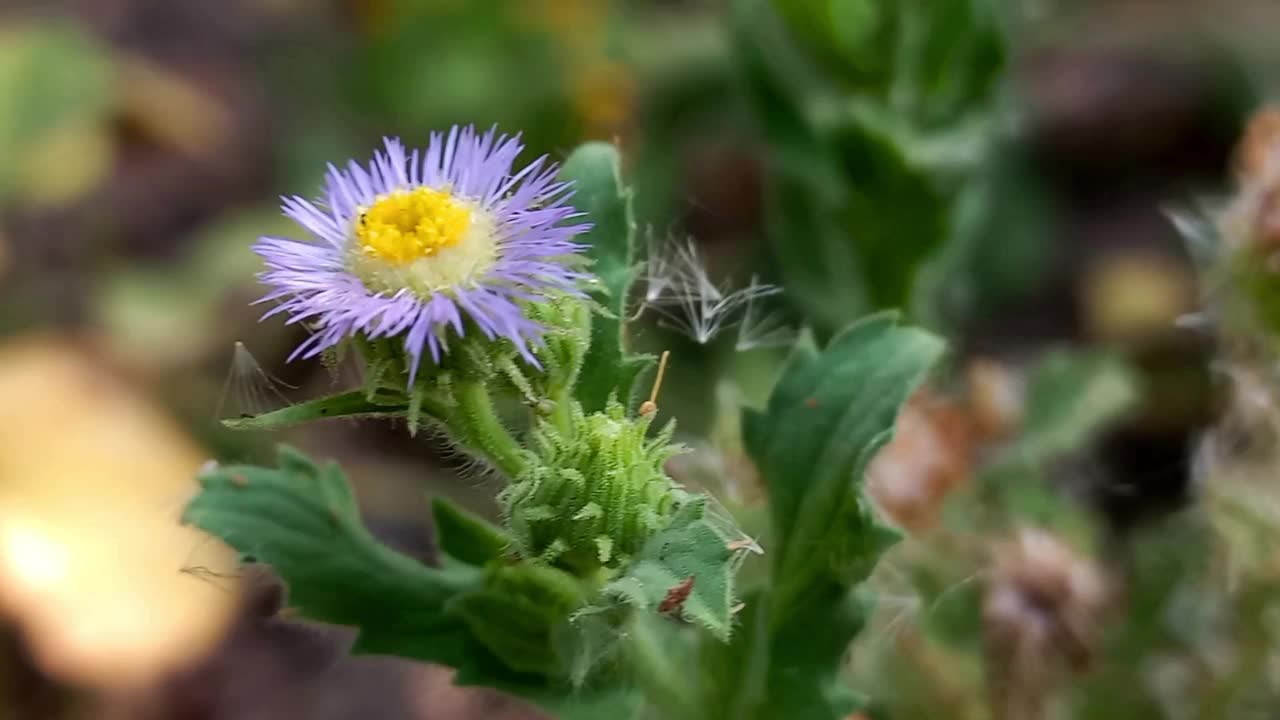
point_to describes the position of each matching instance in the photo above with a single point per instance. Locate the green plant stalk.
(663, 683)
(423, 401)
(561, 417)
(1251, 659)
(478, 427)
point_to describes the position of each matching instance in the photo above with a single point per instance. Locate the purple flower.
(417, 244)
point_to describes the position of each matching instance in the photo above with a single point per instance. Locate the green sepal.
(466, 537)
(516, 612)
(608, 370)
(567, 325)
(592, 491)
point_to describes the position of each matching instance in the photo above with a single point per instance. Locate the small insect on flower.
(676, 596)
(420, 245)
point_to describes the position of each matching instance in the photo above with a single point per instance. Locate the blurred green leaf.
(892, 215)
(1070, 396)
(57, 86)
(849, 220)
(432, 64)
(928, 61)
(949, 55)
(815, 258)
(596, 173)
(847, 34)
(175, 314)
(998, 250)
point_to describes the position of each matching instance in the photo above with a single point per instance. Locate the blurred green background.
(997, 170)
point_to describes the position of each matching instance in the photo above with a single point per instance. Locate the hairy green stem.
(664, 684)
(561, 417)
(478, 427)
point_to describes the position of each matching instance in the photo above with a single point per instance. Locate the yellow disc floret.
(423, 239)
(406, 225)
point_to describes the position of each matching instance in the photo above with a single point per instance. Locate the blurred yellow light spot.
(92, 478)
(1131, 295)
(65, 164)
(33, 558)
(604, 96)
(407, 225)
(172, 109)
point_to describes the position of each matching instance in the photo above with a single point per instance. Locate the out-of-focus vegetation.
(1085, 488)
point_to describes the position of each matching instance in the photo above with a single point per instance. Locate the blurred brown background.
(143, 144)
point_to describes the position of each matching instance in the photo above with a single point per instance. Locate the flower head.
(596, 494)
(426, 243)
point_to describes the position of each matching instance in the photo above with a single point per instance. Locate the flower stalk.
(478, 427)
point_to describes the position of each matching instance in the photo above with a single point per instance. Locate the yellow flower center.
(404, 226)
(424, 240)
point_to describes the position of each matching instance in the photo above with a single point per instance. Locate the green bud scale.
(594, 491)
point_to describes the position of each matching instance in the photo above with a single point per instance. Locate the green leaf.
(301, 518)
(811, 248)
(690, 548)
(827, 416)
(349, 404)
(595, 170)
(829, 412)
(803, 665)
